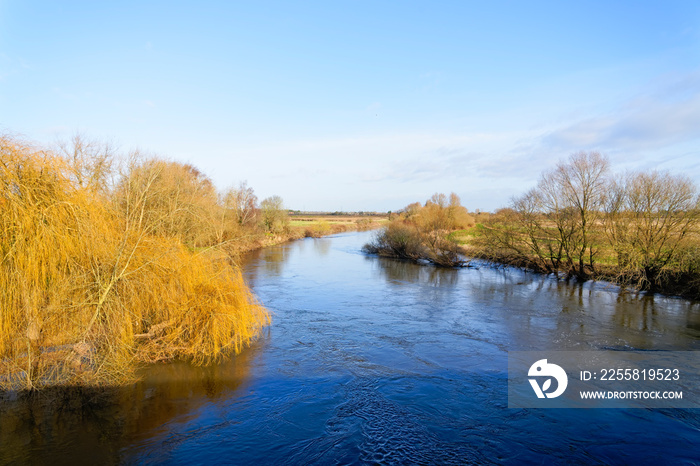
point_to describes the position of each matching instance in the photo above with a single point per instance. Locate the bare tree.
(649, 218)
(439, 199)
(90, 162)
(617, 220)
(572, 196)
(246, 204)
(554, 222)
(545, 244)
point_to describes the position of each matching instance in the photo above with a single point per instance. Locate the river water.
(372, 360)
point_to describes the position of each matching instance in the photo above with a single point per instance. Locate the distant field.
(311, 220)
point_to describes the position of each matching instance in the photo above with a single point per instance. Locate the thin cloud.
(664, 118)
(462, 163)
(648, 130)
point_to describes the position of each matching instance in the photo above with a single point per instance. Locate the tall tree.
(573, 195)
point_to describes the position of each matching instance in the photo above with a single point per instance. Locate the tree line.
(583, 221)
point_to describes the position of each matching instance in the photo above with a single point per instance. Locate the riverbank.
(401, 240)
(309, 226)
(675, 283)
(583, 221)
(49, 362)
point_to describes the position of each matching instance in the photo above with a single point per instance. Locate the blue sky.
(362, 105)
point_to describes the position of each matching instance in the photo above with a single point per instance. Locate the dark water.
(377, 361)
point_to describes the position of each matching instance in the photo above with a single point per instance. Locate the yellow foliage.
(90, 285)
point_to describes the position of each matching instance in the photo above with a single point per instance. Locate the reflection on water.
(379, 361)
(57, 424)
(398, 272)
(321, 245)
(273, 259)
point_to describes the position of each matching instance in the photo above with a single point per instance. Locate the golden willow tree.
(101, 270)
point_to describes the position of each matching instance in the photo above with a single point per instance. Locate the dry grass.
(321, 225)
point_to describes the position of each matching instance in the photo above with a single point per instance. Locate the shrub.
(422, 232)
(397, 240)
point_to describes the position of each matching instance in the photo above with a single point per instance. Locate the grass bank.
(639, 229)
(680, 278)
(308, 226)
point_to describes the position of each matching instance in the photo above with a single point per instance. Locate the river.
(373, 360)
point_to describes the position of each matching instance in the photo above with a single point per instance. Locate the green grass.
(464, 237)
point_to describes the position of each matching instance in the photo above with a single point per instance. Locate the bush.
(423, 232)
(397, 240)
